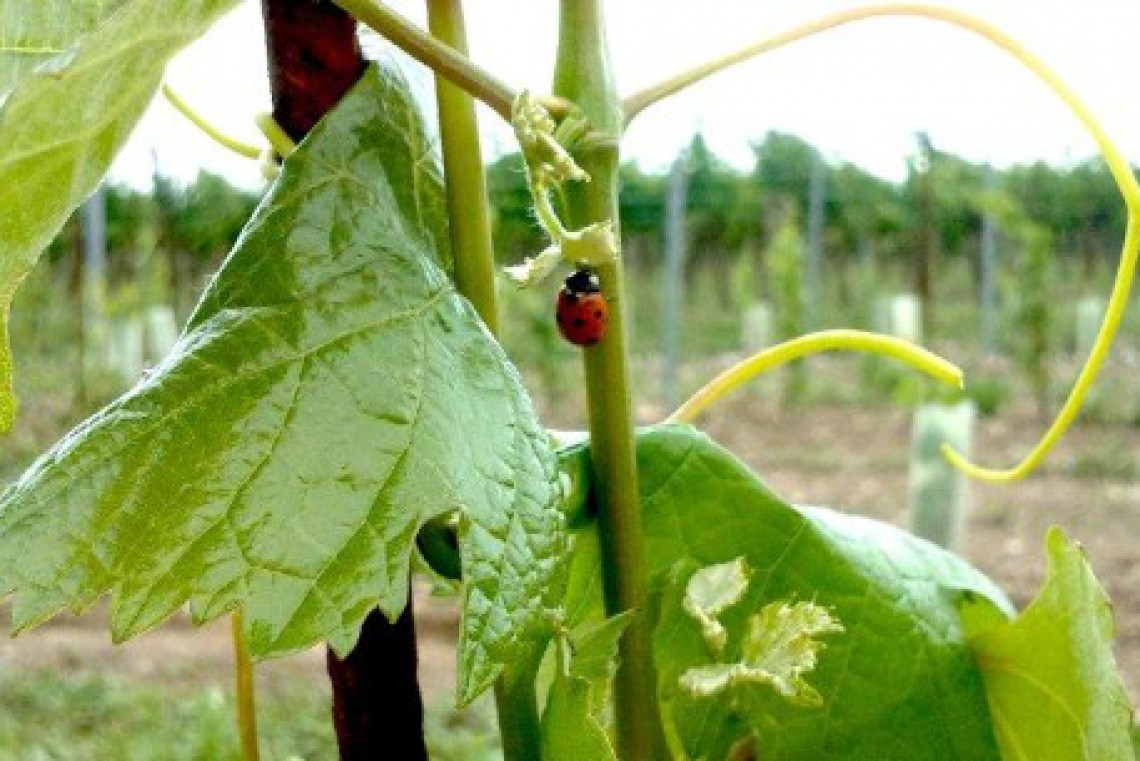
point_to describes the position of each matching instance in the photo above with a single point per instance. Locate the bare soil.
(834, 455)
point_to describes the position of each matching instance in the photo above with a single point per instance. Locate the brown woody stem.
(314, 59)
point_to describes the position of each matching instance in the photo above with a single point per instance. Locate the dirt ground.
(847, 456)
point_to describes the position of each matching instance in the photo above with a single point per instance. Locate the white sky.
(859, 92)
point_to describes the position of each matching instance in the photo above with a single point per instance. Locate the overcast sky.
(859, 92)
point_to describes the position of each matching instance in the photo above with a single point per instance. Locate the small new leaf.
(570, 729)
(546, 158)
(535, 269)
(713, 590)
(591, 246)
(780, 647)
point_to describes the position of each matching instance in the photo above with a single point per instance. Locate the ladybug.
(582, 312)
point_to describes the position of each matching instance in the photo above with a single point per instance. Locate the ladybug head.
(582, 281)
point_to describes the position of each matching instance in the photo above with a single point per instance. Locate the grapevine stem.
(441, 58)
(583, 76)
(246, 706)
(1117, 165)
(814, 343)
(231, 143)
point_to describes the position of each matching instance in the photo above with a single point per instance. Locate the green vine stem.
(468, 208)
(246, 707)
(441, 58)
(583, 76)
(467, 200)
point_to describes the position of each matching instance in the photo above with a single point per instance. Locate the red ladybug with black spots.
(582, 312)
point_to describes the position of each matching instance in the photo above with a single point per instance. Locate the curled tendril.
(231, 143)
(814, 343)
(280, 144)
(1118, 300)
(1130, 249)
(1117, 164)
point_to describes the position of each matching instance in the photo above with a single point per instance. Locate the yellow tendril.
(1118, 300)
(215, 134)
(1117, 164)
(1072, 406)
(814, 343)
(282, 144)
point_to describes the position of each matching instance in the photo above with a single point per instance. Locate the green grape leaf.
(61, 125)
(330, 394)
(1052, 683)
(40, 34)
(900, 683)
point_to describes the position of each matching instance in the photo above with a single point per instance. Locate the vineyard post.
(813, 279)
(93, 293)
(673, 287)
(989, 271)
(314, 58)
(927, 233)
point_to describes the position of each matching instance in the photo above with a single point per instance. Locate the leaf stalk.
(436, 55)
(246, 705)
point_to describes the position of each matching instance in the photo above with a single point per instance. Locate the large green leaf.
(330, 394)
(42, 33)
(1052, 683)
(60, 129)
(899, 683)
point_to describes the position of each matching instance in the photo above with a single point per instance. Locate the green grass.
(46, 716)
(1106, 464)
